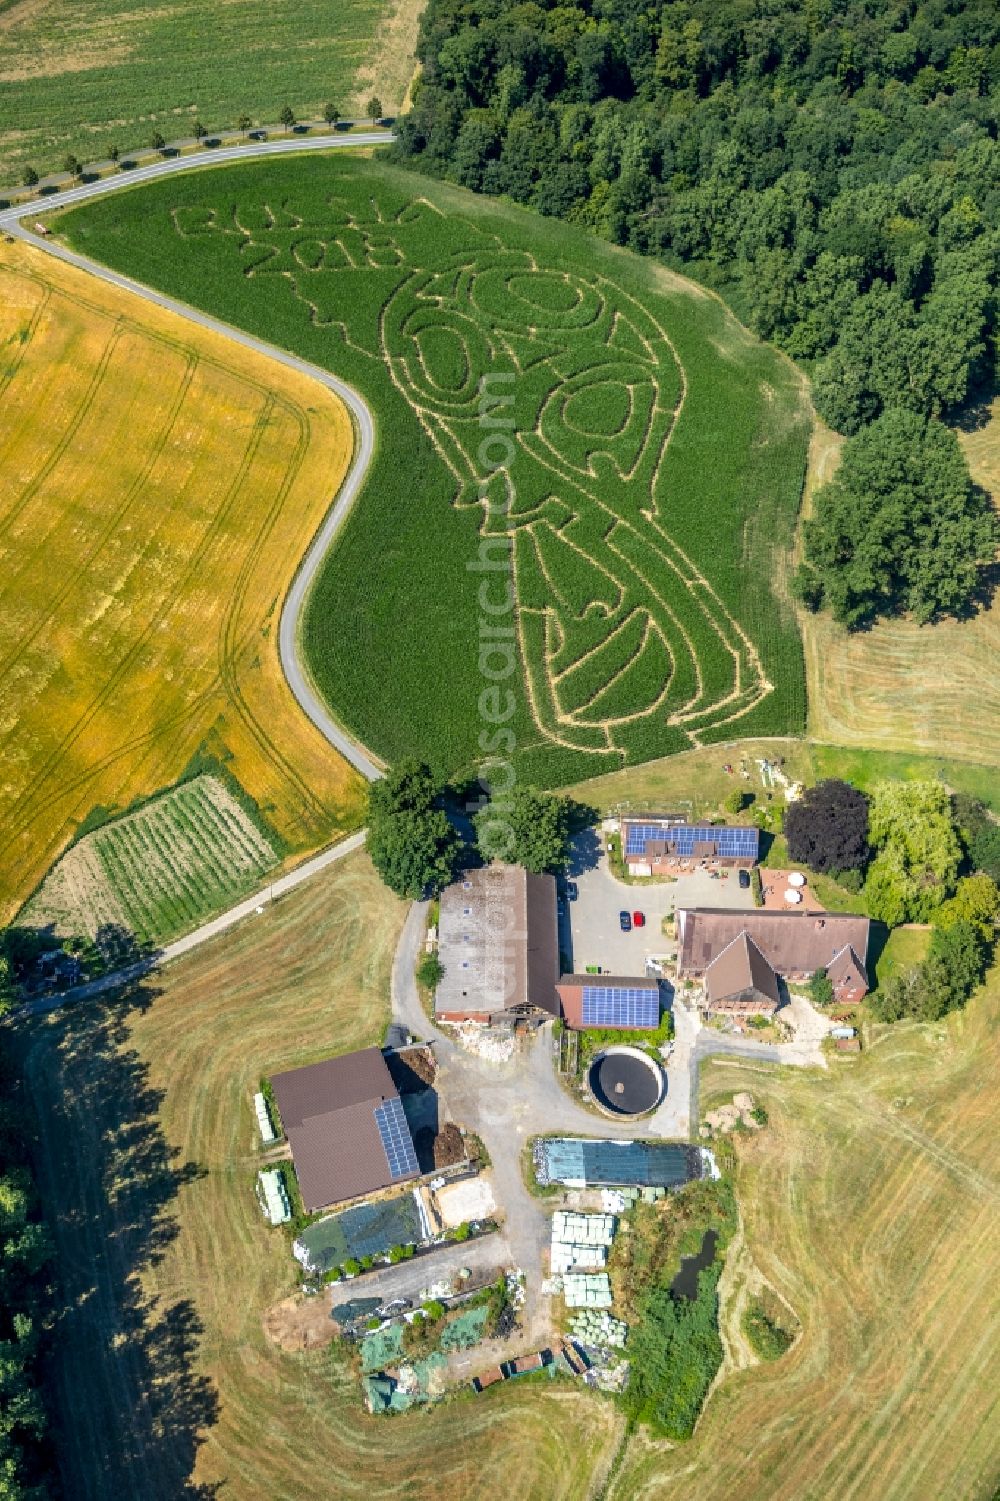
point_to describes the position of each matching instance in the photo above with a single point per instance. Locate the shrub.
(768, 1339)
(674, 1352)
(351, 1267)
(430, 971)
(821, 989)
(460, 1232)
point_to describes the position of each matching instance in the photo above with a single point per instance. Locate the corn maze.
(554, 405)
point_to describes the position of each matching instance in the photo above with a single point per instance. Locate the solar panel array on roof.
(620, 1006)
(567, 1159)
(731, 843)
(396, 1139)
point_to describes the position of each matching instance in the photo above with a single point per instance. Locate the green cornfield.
(641, 454)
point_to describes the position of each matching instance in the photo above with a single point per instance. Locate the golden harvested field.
(902, 686)
(147, 1166)
(158, 488)
(872, 1204)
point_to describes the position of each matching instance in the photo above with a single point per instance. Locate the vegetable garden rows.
(157, 871)
(652, 460)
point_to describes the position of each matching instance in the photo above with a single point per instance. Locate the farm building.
(660, 844)
(346, 1127)
(629, 1003)
(578, 1162)
(499, 946)
(740, 956)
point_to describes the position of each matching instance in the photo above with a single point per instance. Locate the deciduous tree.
(411, 841)
(901, 529)
(827, 827)
(918, 853)
(526, 827)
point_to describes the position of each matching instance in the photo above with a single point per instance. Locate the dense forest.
(830, 166)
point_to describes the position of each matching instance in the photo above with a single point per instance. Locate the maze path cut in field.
(526, 380)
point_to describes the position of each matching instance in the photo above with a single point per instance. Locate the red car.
(638, 919)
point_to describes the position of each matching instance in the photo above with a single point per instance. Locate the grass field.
(157, 491)
(871, 1203)
(902, 686)
(147, 1159)
(697, 782)
(84, 78)
(158, 871)
(655, 460)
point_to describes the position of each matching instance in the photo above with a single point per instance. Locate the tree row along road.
(288, 635)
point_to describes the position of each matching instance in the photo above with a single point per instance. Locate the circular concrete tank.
(625, 1081)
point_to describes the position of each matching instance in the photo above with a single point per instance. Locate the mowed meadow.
(652, 458)
(158, 489)
(166, 1384)
(85, 77)
(870, 1203)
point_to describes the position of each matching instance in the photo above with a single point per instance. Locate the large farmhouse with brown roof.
(498, 942)
(740, 956)
(346, 1128)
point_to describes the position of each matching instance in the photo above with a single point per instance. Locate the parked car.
(745, 879)
(638, 919)
(572, 890)
(626, 921)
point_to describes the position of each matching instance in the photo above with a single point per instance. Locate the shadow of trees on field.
(129, 1406)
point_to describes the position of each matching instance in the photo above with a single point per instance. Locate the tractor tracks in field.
(293, 667)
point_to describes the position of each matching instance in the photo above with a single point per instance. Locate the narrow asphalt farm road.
(12, 222)
(291, 661)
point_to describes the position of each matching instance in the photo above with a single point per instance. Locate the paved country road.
(292, 665)
(201, 935)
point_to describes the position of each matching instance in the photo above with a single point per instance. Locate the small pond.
(685, 1284)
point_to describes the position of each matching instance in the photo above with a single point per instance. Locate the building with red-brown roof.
(740, 956)
(345, 1124)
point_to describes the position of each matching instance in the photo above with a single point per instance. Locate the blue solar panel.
(620, 1006)
(396, 1139)
(731, 843)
